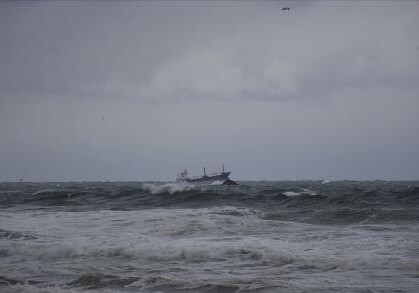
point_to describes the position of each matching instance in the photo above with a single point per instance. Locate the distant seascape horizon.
(209, 146)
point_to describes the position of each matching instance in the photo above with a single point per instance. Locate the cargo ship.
(220, 176)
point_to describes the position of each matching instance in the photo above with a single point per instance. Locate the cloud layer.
(135, 90)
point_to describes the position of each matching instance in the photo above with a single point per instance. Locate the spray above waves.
(170, 188)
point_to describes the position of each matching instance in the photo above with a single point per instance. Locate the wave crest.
(170, 188)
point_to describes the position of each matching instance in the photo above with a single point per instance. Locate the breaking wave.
(313, 201)
(289, 236)
(170, 188)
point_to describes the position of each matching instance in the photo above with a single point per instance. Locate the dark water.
(300, 236)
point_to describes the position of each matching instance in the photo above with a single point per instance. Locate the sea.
(284, 236)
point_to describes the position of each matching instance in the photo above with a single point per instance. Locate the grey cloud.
(327, 90)
(282, 58)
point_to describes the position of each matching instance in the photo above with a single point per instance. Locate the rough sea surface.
(287, 236)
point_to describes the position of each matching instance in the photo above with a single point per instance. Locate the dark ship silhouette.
(220, 176)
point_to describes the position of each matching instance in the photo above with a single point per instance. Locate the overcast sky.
(137, 90)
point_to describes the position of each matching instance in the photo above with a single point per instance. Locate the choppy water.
(304, 236)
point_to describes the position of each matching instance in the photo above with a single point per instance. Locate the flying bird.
(285, 9)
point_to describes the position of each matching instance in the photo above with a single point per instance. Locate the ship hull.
(222, 176)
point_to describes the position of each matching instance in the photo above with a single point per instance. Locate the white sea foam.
(200, 246)
(308, 191)
(291, 193)
(167, 187)
(44, 191)
(218, 182)
(303, 191)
